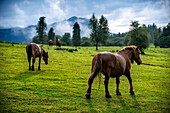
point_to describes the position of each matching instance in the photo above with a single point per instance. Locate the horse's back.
(34, 49)
(109, 61)
(104, 59)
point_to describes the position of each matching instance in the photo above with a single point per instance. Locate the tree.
(66, 39)
(156, 36)
(85, 41)
(35, 39)
(41, 27)
(51, 34)
(100, 30)
(103, 29)
(165, 37)
(151, 29)
(138, 36)
(76, 35)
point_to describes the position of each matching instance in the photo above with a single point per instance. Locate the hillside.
(26, 34)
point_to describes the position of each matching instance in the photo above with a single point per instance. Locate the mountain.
(24, 35)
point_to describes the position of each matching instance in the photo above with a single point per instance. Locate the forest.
(139, 35)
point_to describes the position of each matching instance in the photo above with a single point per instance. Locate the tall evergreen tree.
(41, 27)
(93, 23)
(51, 34)
(103, 29)
(76, 35)
(151, 31)
(100, 30)
(156, 36)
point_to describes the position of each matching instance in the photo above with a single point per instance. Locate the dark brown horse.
(50, 42)
(114, 65)
(34, 50)
(58, 42)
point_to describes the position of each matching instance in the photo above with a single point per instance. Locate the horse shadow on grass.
(123, 104)
(27, 74)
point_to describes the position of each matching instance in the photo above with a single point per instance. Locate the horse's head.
(45, 57)
(136, 56)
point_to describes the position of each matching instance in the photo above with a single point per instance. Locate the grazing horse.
(58, 42)
(113, 65)
(50, 42)
(34, 50)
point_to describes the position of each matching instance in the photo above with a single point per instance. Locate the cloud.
(63, 27)
(53, 10)
(145, 13)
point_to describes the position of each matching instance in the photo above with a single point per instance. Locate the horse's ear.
(47, 52)
(137, 47)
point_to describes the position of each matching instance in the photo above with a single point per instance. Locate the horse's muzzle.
(140, 62)
(46, 63)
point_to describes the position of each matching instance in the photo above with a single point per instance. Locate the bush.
(164, 42)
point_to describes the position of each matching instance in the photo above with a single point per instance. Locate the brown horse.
(114, 65)
(34, 50)
(58, 42)
(50, 42)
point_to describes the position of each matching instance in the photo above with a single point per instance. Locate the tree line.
(139, 35)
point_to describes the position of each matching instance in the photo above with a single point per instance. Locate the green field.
(60, 86)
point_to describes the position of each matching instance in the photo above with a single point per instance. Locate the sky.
(119, 13)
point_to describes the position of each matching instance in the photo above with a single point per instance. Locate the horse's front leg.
(39, 63)
(130, 83)
(106, 82)
(33, 61)
(117, 86)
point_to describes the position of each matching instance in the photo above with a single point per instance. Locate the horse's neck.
(125, 54)
(43, 52)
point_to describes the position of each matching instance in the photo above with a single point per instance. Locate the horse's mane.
(127, 48)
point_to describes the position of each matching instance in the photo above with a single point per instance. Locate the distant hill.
(24, 35)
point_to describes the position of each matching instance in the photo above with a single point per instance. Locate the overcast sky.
(21, 13)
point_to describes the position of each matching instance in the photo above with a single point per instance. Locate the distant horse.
(113, 65)
(34, 50)
(50, 42)
(58, 42)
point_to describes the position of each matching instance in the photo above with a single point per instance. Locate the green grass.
(60, 86)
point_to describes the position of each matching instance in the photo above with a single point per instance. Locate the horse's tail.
(98, 67)
(29, 50)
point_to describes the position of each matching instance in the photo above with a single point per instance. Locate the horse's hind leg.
(106, 82)
(90, 81)
(33, 61)
(29, 61)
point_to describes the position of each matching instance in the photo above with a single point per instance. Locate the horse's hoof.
(39, 69)
(108, 96)
(132, 92)
(118, 93)
(33, 70)
(87, 95)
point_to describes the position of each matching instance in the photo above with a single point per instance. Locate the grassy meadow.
(60, 86)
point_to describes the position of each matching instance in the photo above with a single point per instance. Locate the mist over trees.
(139, 35)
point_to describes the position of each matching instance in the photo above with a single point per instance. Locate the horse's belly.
(116, 72)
